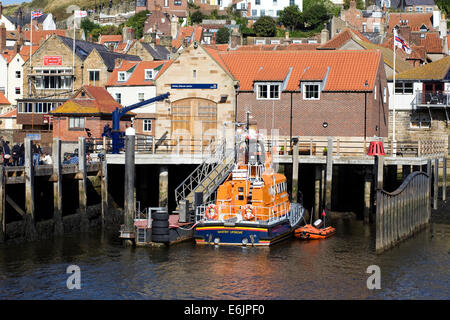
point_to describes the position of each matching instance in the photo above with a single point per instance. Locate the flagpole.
(73, 61)
(394, 142)
(31, 39)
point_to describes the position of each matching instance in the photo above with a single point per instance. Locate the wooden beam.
(15, 206)
(82, 184)
(329, 174)
(57, 187)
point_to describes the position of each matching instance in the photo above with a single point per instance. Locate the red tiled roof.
(186, 32)
(110, 38)
(415, 20)
(25, 51)
(3, 99)
(137, 78)
(10, 114)
(347, 70)
(342, 37)
(432, 43)
(39, 35)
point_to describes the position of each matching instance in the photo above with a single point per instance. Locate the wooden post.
(379, 222)
(164, 187)
(295, 170)
(436, 184)
(329, 173)
(82, 183)
(129, 203)
(317, 189)
(104, 190)
(2, 204)
(30, 230)
(367, 196)
(380, 171)
(444, 178)
(428, 193)
(57, 187)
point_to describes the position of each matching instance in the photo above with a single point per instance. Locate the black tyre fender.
(160, 224)
(160, 238)
(161, 216)
(160, 231)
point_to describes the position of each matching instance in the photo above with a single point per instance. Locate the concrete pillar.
(82, 183)
(129, 205)
(57, 187)
(329, 174)
(2, 205)
(30, 230)
(163, 187)
(367, 195)
(317, 189)
(436, 184)
(295, 170)
(444, 178)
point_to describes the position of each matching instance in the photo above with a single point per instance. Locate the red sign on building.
(52, 60)
(48, 118)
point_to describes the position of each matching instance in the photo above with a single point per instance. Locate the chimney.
(174, 27)
(91, 38)
(128, 34)
(236, 39)
(352, 4)
(324, 34)
(404, 31)
(249, 9)
(2, 37)
(1, 9)
(16, 47)
(286, 35)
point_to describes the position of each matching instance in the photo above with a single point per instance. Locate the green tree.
(137, 23)
(330, 6)
(197, 17)
(88, 25)
(265, 26)
(315, 16)
(223, 35)
(291, 17)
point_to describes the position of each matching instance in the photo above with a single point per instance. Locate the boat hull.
(242, 234)
(311, 233)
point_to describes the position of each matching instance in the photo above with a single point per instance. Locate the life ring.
(211, 212)
(248, 212)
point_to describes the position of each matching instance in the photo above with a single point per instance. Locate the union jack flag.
(399, 42)
(36, 14)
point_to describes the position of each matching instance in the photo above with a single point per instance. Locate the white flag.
(80, 14)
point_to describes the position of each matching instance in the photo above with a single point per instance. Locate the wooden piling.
(30, 229)
(380, 172)
(295, 171)
(444, 178)
(2, 204)
(57, 187)
(436, 184)
(367, 195)
(129, 203)
(329, 174)
(104, 190)
(317, 189)
(163, 187)
(82, 184)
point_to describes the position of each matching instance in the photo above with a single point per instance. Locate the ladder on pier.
(207, 177)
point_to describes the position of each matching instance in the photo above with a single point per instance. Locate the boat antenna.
(310, 218)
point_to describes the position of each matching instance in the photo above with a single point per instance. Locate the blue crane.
(118, 113)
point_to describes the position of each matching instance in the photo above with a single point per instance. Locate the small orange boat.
(315, 231)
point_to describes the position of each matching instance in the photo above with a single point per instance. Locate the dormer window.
(122, 76)
(148, 74)
(311, 91)
(268, 91)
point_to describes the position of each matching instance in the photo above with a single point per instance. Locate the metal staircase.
(207, 177)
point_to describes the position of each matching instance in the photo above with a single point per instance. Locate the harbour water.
(335, 268)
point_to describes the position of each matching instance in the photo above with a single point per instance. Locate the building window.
(76, 123)
(147, 125)
(257, 2)
(384, 94)
(177, 2)
(375, 92)
(311, 92)
(364, 27)
(122, 76)
(376, 27)
(268, 91)
(18, 74)
(119, 98)
(94, 76)
(409, 9)
(44, 107)
(194, 73)
(404, 88)
(25, 107)
(292, 2)
(141, 96)
(419, 9)
(17, 90)
(420, 120)
(53, 79)
(166, 3)
(262, 12)
(428, 9)
(148, 74)
(254, 13)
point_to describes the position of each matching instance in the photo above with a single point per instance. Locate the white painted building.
(4, 75)
(272, 8)
(15, 79)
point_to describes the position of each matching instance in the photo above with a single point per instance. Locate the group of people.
(14, 156)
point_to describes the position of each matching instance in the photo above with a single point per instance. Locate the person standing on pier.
(36, 154)
(21, 154)
(6, 153)
(15, 154)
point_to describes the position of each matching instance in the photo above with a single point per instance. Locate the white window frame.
(89, 75)
(146, 123)
(122, 76)
(259, 85)
(304, 85)
(375, 92)
(426, 124)
(149, 74)
(76, 123)
(141, 96)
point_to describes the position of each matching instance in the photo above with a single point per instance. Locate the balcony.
(432, 99)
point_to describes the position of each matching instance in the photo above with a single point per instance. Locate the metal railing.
(261, 215)
(432, 99)
(401, 213)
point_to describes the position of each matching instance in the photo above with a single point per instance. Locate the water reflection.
(330, 269)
